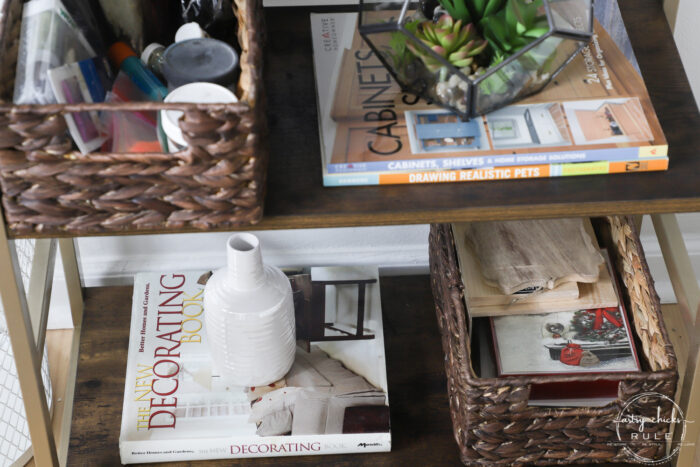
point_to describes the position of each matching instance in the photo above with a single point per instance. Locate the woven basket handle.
(211, 130)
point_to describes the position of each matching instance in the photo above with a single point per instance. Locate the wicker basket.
(493, 423)
(218, 181)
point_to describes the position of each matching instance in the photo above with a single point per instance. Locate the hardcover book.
(178, 407)
(595, 118)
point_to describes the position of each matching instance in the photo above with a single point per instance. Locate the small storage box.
(218, 181)
(493, 423)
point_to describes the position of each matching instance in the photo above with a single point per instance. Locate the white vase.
(249, 315)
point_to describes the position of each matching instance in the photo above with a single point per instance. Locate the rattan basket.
(493, 423)
(218, 181)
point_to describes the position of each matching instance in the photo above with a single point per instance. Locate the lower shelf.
(420, 417)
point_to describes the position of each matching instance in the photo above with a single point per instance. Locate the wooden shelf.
(296, 198)
(420, 418)
(422, 428)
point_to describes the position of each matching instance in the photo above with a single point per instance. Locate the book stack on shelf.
(179, 406)
(596, 117)
(548, 304)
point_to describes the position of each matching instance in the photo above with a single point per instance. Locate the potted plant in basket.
(475, 56)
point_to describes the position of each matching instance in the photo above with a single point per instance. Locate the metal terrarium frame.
(419, 86)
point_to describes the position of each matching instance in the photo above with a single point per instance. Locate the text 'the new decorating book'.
(178, 407)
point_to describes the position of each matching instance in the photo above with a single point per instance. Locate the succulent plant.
(497, 58)
(515, 26)
(471, 11)
(457, 43)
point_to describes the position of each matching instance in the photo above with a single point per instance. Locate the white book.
(177, 407)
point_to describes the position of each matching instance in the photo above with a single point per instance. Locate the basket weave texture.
(493, 424)
(217, 181)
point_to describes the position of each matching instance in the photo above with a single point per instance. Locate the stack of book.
(179, 407)
(566, 327)
(596, 117)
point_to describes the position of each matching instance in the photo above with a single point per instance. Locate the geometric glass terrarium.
(475, 56)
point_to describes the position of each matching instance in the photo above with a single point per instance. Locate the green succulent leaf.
(512, 17)
(472, 11)
(457, 9)
(536, 32)
(526, 12)
(498, 58)
(514, 26)
(522, 16)
(398, 46)
(455, 42)
(479, 7)
(397, 42)
(493, 6)
(412, 26)
(496, 32)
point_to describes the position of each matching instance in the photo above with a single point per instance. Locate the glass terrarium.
(475, 56)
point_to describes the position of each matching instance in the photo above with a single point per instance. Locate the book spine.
(503, 160)
(132, 452)
(497, 173)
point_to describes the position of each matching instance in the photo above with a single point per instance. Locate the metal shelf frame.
(27, 316)
(50, 433)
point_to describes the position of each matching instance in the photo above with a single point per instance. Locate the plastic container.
(152, 56)
(190, 31)
(123, 57)
(197, 93)
(49, 39)
(200, 60)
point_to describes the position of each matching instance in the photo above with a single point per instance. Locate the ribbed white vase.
(249, 315)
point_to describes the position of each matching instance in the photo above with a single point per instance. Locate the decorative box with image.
(590, 341)
(585, 341)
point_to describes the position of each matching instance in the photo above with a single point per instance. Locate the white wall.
(687, 36)
(112, 261)
(397, 250)
(115, 260)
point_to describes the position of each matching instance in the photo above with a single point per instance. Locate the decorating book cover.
(177, 407)
(596, 117)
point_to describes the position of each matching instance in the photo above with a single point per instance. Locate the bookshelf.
(297, 200)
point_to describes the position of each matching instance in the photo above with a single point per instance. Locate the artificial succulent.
(514, 27)
(451, 39)
(471, 11)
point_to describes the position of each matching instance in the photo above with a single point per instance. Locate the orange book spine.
(523, 172)
(470, 175)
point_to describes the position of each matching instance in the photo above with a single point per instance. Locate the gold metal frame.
(26, 317)
(685, 286)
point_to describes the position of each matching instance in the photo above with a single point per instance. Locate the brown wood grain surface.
(297, 199)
